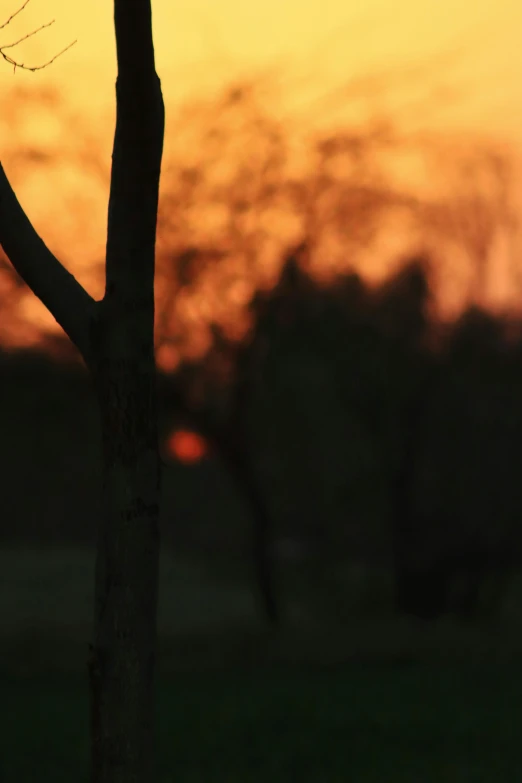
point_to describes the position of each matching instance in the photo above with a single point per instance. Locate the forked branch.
(59, 291)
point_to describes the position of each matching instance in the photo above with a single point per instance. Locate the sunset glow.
(447, 68)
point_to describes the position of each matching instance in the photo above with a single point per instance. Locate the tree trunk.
(116, 339)
(229, 442)
(121, 666)
(263, 556)
(122, 657)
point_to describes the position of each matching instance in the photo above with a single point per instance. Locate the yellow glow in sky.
(470, 48)
(322, 42)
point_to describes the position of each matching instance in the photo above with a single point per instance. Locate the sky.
(467, 51)
(323, 42)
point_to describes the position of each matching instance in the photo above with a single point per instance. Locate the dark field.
(372, 723)
(373, 699)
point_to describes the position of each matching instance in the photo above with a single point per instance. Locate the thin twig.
(13, 15)
(10, 46)
(15, 63)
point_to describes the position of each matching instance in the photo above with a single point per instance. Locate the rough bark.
(116, 339)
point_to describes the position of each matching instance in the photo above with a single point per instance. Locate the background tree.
(225, 225)
(115, 338)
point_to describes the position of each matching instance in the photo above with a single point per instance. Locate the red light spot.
(186, 446)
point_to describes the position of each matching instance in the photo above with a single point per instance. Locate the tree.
(225, 428)
(115, 338)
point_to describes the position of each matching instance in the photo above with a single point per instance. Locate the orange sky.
(314, 46)
(203, 42)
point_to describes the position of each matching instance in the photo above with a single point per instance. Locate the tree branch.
(136, 157)
(57, 289)
(15, 63)
(7, 21)
(135, 56)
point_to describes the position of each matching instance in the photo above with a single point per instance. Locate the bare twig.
(15, 63)
(13, 15)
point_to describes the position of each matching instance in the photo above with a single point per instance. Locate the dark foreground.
(372, 723)
(372, 700)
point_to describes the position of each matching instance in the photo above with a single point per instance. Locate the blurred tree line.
(348, 425)
(346, 422)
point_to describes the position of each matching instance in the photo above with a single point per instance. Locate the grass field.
(372, 700)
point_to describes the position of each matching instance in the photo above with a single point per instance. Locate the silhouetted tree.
(115, 338)
(457, 501)
(222, 415)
